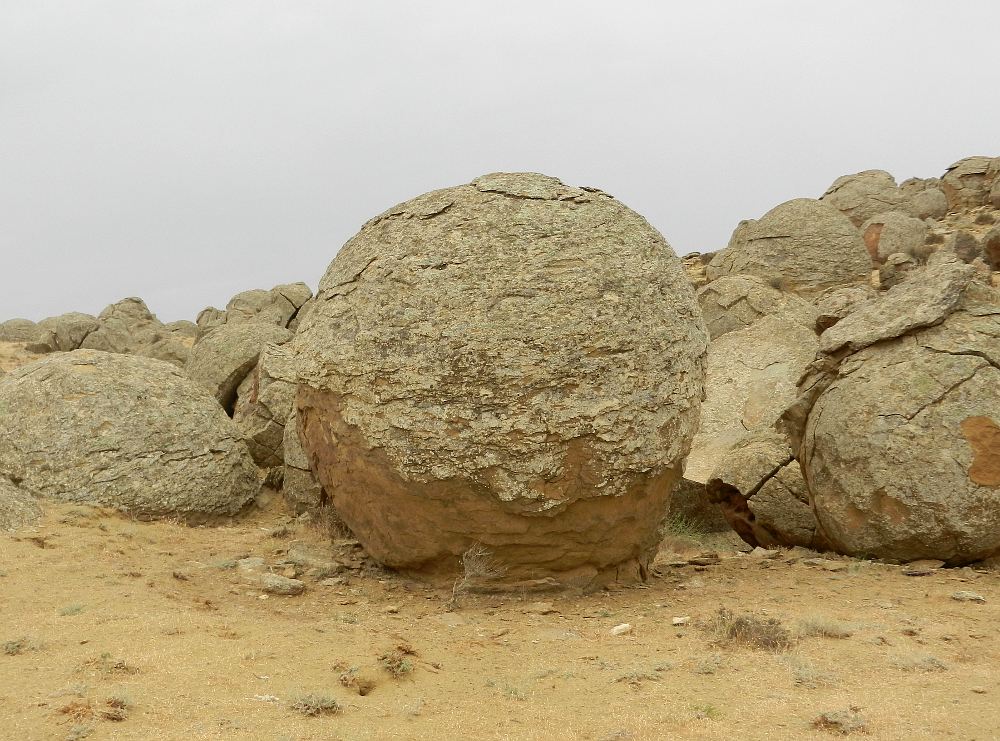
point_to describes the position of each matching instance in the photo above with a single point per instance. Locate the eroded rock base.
(424, 528)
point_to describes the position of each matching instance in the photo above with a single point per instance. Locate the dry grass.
(749, 631)
(821, 625)
(313, 703)
(806, 675)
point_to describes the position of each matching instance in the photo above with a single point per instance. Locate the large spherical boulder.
(122, 431)
(17, 330)
(902, 451)
(802, 245)
(891, 233)
(515, 363)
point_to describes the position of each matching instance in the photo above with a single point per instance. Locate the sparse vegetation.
(516, 691)
(312, 703)
(806, 675)
(478, 565)
(925, 663)
(329, 524)
(79, 731)
(750, 631)
(705, 711)
(72, 609)
(397, 662)
(821, 625)
(841, 721)
(708, 664)
(22, 644)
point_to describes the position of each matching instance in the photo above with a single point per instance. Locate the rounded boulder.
(803, 245)
(902, 451)
(122, 431)
(512, 364)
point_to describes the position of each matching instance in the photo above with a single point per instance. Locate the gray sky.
(185, 151)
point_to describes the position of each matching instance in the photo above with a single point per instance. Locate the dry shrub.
(311, 703)
(750, 631)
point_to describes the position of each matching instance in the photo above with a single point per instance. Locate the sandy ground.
(115, 629)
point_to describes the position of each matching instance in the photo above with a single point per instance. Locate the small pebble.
(622, 629)
(681, 620)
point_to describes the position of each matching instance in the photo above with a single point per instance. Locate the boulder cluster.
(853, 406)
(525, 369)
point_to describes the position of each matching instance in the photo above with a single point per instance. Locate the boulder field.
(524, 368)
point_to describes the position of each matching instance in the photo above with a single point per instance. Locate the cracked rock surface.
(751, 378)
(902, 450)
(763, 495)
(513, 362)
(125, 432)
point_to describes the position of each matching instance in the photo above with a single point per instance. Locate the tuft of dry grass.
(312, 703)
(396, 662)
(925, 663)
(478, 565)
(821, 625)
(805, 674)
(749, 631)
(842, 722)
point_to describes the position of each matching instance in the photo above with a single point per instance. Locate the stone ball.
(513, 364)
(902, 451)
(122, 431)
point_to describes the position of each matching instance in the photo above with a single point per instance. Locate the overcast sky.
(185, 151)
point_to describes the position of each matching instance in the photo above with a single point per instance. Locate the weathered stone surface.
(226, 354)
(920, 301)
(967, 183)
(300, 487)
(836, 303)
(994, 196)
(963, 245)
(991, 247)
(210, 318)
(263, 414)
(895, 270)
(277, 584)
(62, 333)
(277, 306)
(18, 508)
(866, 194)
(931, 203)
(900, 451)
(125, 432)
(170, 350)
(762, 492)
(301, 314)
(734, 302)
(802, 245)
(18, 330)
(513, 362)
(182, 328)
(751, 377)
(893, 232)
(125, 327)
